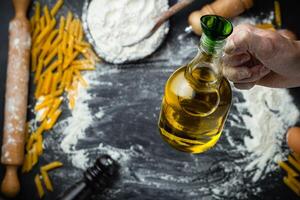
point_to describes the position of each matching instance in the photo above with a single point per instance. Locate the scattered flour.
(113, 23)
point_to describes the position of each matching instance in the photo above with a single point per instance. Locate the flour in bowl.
(112, 24)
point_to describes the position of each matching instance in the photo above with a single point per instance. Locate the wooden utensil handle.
(173, 10)
(16, 98)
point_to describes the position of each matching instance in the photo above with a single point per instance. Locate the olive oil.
(197, 97)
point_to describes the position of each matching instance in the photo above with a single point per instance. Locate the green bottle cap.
(216, 27)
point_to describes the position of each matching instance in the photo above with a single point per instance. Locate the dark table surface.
(125, 99)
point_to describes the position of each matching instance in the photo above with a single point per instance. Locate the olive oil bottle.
(197, 97)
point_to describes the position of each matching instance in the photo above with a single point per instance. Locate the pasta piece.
(34, 156)
(71, 102)
(45, 31)
(25, 164)
(277, 14)
(50, 56)
(36, 32)
(64, 43)
(84, 67)
(46, 46)
(56, 7)
(47, 181)
(37, 11)
(51, 166)
(81, 79)
(61, 25)
(55, 43)
(44, 114)
(42, 22)
(296, 156)
(32, 24)
(68, 79)
(79, 31)
(68, 20)
(44, 104)
(53, 118)
(55, 107)
(47, 14)
(70, 45)
(69, 60)
(291, 185)
(39, 186)
(294, 162)
(79, 48)
(47, 83)
(289, 170)
(51, 68)
(294, 181)
(30, 141)
(40, 83)
(39, 144)
(54, 82)
(38, 71)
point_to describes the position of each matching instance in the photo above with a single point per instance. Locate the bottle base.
(188, 145)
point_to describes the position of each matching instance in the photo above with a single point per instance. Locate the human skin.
(255, 56)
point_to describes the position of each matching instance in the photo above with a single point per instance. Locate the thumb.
(245, 39)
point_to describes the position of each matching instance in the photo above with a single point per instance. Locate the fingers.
(236, 74)
(236, 60)
(245, 38)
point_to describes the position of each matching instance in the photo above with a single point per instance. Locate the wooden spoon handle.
(170, 12)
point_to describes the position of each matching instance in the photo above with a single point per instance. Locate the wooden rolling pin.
(224, 8)
(16, 98)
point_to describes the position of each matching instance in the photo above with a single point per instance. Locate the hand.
(255, 56)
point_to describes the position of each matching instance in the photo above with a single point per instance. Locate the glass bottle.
(197, 97)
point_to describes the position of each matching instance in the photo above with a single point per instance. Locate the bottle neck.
(206, 67)
(211, 47)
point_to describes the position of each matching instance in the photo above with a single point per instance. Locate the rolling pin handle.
(10, 186)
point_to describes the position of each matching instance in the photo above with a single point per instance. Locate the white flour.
(113, 23)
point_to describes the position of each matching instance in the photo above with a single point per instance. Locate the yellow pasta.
(64, 42)
(45, 31)
(51, 68)
(296, 156)
(39, 144)
(43, 104)
(53, 118)
(46, 46)
(46, 180)
(50, 56)
(56, 7)
(37, 92)
(61, 25)
(79, 48)
(39, 186)
(277, 14)
(70, 60)
(84, 67)
(42, 22)
(68, 20)
(55, 43)
(293, 187)
(30, 141)
(54, 107)
(32, 24)
(38, 70)
(81, 79)
(294, 181)
(294, 162)
(70, 45)
(36, 31)
(54, 82)
(289, 170)
(51, 166)
(80, 32)
(47, 14)
(34, 156)
(37, 11)
(47, 83)
(68, 79)
(44, 114)
(71, 102)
